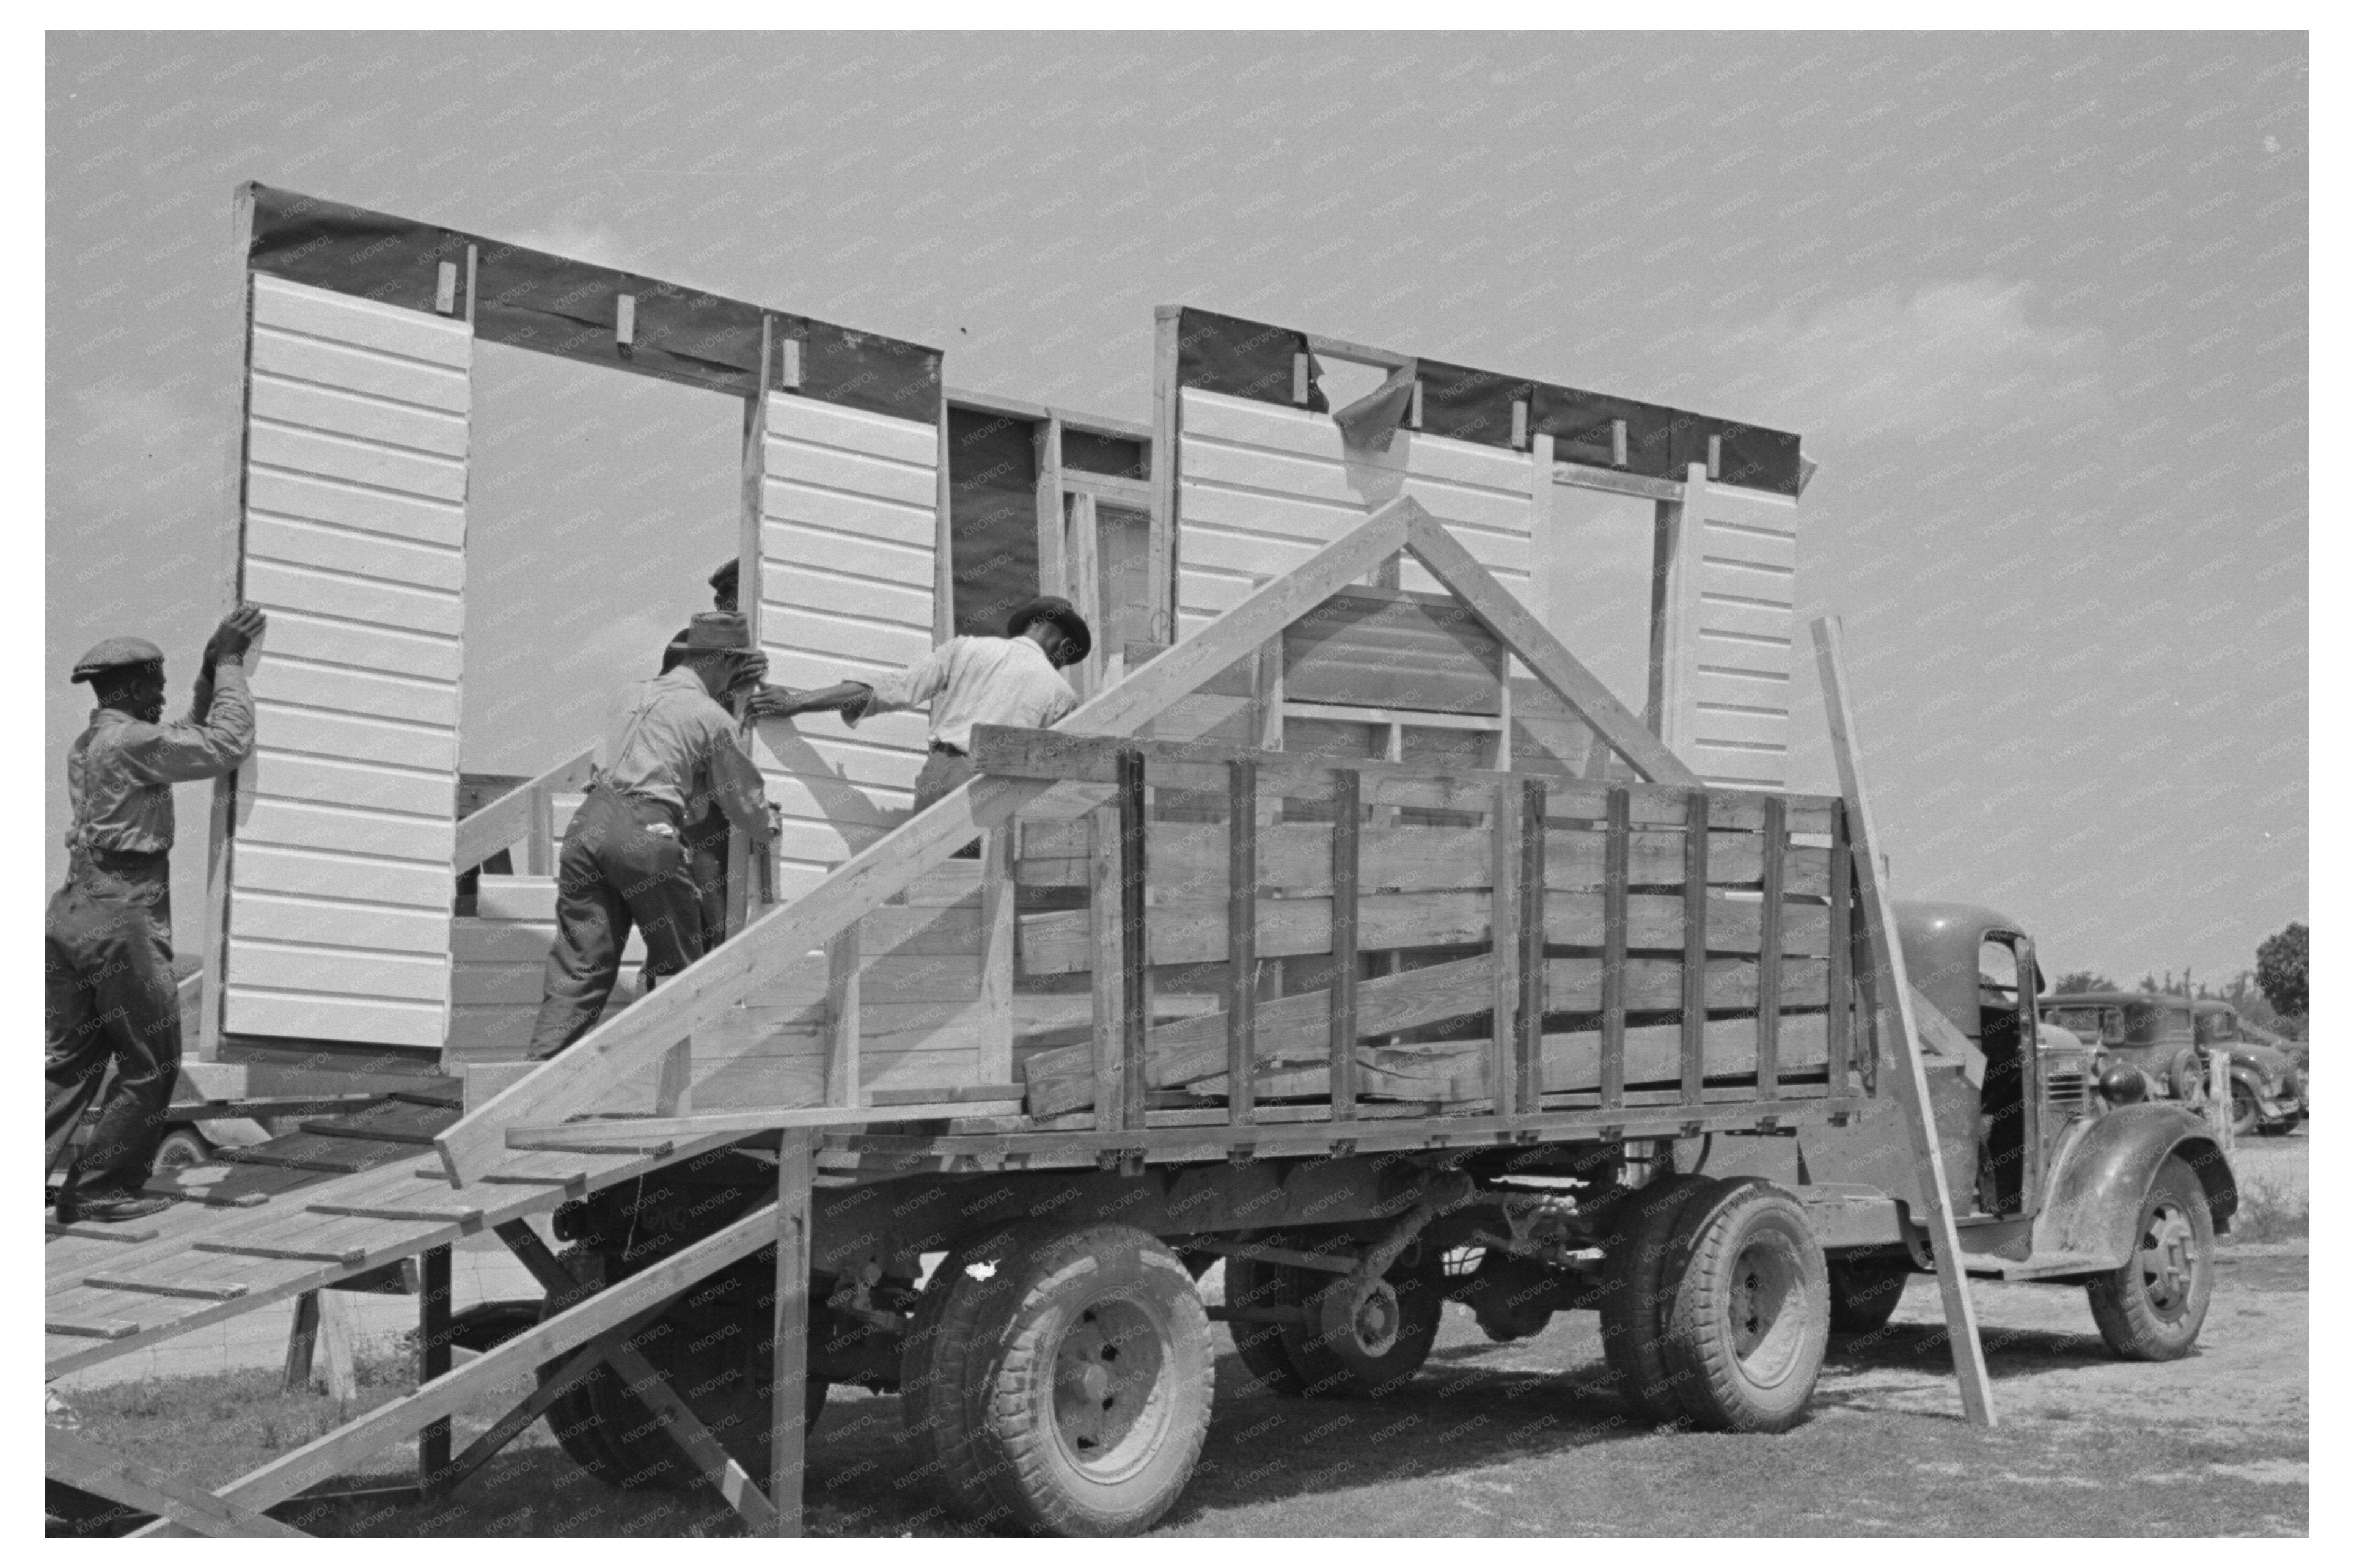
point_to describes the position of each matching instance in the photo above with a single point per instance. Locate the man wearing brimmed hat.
(1015, 679)
(110, 996)
(672, 751)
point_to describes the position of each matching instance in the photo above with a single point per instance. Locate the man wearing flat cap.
(111, 997)
(1015, 679)
(624, 861)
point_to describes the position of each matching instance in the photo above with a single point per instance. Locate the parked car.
(2148, 1033)
(2268, 1090)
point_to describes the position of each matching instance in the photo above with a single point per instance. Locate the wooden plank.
(1614, 958)
(1505, 866)
(638, 1134)
(165, 1287)
(1135, 1010)
(1107, 987)
(1527, 1048)
(995, 1063)
(1842, 1017)
(1540, 651)
(1895, 1022)
(1698, 850)
(78, 1462)
(1242, 927)
(788, 1334)
(1769, 950)
(512, 816)
(1161, 552)
(1343, 1030)
(845, 1023)
(433, 1357)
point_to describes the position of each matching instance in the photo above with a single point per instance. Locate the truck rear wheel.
(2150, 1309)
(1751, 1313)
(1865, 1291)
(1366, 1341)
(940, 1394)
(1634, 1293)
(1098, 1380)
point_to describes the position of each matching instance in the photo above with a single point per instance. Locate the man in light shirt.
(1015, 679)
(624, 859)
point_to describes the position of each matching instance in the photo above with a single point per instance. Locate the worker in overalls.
(1015, 679)
(111, 997)
(673, 752)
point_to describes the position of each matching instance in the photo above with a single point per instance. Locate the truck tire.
(1751, 1313)
(2151, 1307)
(1100, 1379)
(1633, 1293)
(1252, 1283)
(182, 1147)
(1865, 1291)
(1366, 1344)
(940, 1396)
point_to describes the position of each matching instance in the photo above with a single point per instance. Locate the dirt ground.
(1525, 1439)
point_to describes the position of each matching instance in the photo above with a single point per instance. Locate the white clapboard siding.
(1261, 488)
(355, 534)
(849, 510)
(1745, 636)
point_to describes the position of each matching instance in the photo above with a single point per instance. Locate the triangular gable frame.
(635, 1040)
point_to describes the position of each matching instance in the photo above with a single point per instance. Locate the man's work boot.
(110, 1208)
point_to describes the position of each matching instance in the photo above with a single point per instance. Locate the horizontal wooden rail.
(498, 825)
(633, 1131)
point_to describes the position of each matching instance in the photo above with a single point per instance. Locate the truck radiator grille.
(2066, 1091)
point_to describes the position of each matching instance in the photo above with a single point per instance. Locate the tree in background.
(2281, 969)
(2076, 980)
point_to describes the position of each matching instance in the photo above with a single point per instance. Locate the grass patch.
(2272, 1208)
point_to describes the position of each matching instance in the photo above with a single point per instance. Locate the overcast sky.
(2037, 302)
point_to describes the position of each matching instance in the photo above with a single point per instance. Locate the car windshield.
(2102, 1025)
(2147, 1023)
(2214, 1028)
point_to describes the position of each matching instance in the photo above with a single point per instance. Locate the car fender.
(2096, 1188)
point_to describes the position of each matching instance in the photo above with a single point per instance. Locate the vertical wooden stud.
(790, 1330)
(445, 289)
(1519, 424)
(1669, 709)
(539, 842)
(1242, 940)
(1107, 962)
(1529, 1045)
(1134, 955)
(302, 1343)
(1695, 977)
(1839, 1027)
(1504, 910)
(1893, 1022)
(1345, 862)
(1716, 457)
(1542, 531)
(842, 1017)
(1299, 380)
(1614, 952)
(1083, 572)
(1413, 407)
(996, 1065)
(943, 541)
(1046, 446)
(625, 323)
(789, 373)
(1168, 406)
(1769, 953)
(1617, 443)
(433, 1358)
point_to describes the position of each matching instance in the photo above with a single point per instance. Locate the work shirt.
(976, 680)
(671, 743)
(120, 771)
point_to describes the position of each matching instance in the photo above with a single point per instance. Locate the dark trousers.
(623, 863)
(110, 1000)
(706, 862)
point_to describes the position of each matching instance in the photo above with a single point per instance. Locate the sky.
(2037, 303)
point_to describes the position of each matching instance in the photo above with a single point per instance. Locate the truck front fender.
(2095, 1189)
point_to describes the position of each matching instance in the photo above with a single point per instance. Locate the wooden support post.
(1769, 953)
(1504, 911)
(790, 1337)
(1676, 542)
(433, 1358)
(1242, 939)
(1134, 955)
(1345, 852)
(1614, 951)
(1047, 454)
(1695, 977)
(539, 841)
(1527, 1066)
(302, 1343)
(337, 1331)
(996, 1065)
(1168, 406)
(1893, 1021)
(1107, 978)
(1083, 573)
(1839, 1027)
(841, 1018)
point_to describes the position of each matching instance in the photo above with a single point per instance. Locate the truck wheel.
(1865, 1291)
(2151, 1307)
(1633, 1293)
(1365, 1343)
(1251, 1283)
(1099, 1383)
(2244, 1114)
(1751, 1313)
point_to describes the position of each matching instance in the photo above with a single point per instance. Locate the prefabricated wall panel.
(1261, 488)
(340, 881)
(848, 516)
(1745, 627)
